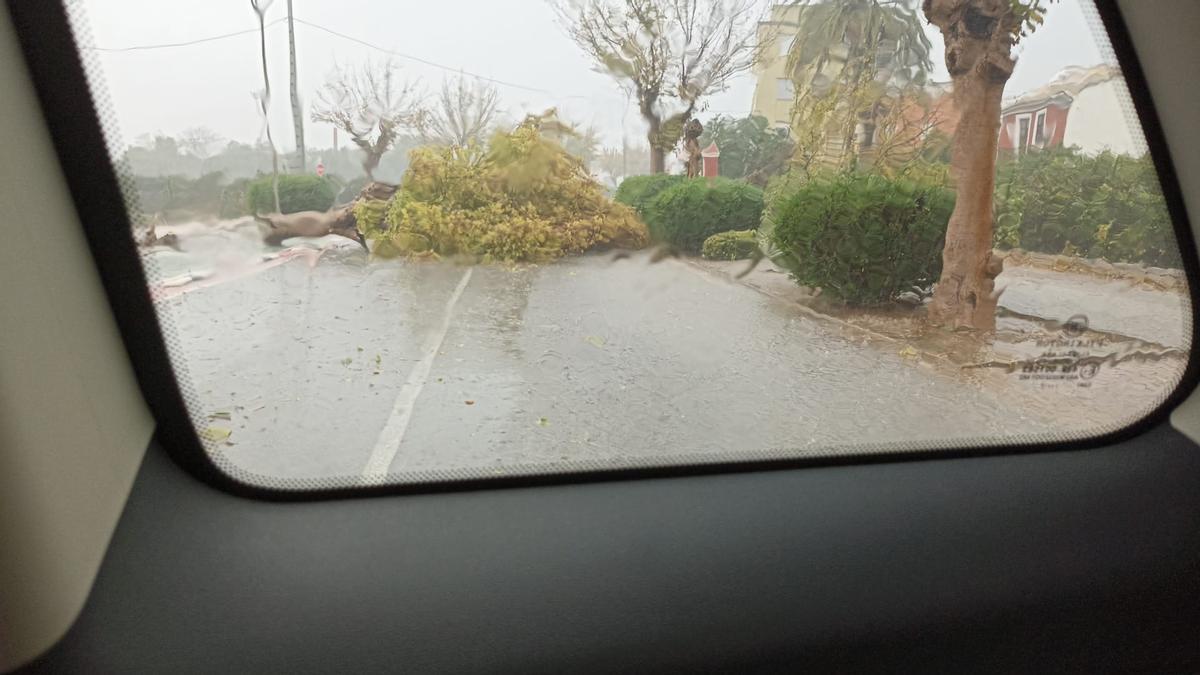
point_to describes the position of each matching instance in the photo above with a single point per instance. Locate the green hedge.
(863, 239)
(1063, 201)
(732, 245)
(296, 193)
(639, 191)
(687, 214)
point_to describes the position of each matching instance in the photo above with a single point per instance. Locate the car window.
(412, 242)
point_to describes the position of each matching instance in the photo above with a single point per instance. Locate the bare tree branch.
(198, 141)
(668, 54)
(462, 113)
(373, 105)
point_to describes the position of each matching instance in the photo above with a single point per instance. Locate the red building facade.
(1040, 123)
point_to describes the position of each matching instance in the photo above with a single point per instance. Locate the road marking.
(388, 444)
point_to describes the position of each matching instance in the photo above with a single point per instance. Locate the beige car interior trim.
(1164, 37)
(73, 424)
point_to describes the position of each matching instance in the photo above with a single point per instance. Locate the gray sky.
(517, 41)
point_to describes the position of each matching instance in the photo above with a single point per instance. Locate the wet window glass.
(419, 241)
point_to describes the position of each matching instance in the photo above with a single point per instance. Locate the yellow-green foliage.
(732, 245)
(369, 213)
(523, 199)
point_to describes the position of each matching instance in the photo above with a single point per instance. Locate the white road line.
(376, 470)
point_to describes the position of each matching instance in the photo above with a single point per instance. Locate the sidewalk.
(1121, 306)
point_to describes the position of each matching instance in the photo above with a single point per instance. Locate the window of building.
(785, 89)
(1022, 139)
(786, 42)
(1039, 130)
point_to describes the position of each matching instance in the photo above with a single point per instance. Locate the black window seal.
(56, 67)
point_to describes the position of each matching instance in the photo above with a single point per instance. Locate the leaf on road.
(216, 434)
(596, 341)
(221, 415)
(469, 402)
(543, 422)
(909, 353)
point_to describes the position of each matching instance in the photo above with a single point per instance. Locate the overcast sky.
(520, 42)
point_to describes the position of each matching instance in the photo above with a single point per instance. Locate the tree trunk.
(977, 56)
(658, 156)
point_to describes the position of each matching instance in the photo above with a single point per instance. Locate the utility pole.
(297, 113)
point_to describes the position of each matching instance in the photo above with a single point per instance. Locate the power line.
(344, 36)
(433, 64)
(351, 38)
(183, 44)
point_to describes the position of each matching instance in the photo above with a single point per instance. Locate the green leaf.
(216, 434)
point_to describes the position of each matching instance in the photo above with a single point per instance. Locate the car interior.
(125, 549)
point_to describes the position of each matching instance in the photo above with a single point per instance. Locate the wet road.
(1115, 305)
(348, 369)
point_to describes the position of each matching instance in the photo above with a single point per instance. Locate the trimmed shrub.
(732, 245)
(523, 199)
(863, 239)
(296, 193)
(1063, 201)
(687, 214)
(777, 189)
(638, 191)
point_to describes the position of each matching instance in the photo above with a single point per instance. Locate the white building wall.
(1098, 121)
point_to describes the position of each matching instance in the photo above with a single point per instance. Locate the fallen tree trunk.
(339, 220)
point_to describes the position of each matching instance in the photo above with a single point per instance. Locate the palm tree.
(852, 63)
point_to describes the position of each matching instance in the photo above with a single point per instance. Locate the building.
(1081, 107)
(774, 89)
(778, 85)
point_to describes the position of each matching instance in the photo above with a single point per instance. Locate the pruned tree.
(667, 54)
(463, 113)
(373, 105)
(199, 142)
(980, 36)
